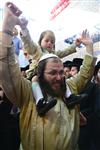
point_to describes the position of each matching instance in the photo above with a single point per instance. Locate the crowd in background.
(89, 108)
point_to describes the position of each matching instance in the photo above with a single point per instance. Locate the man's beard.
(49, 90)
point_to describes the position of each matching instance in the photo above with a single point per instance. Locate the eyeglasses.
(54, 73)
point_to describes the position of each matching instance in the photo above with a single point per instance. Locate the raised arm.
(86, 72)
(33, 49)
(10, 75)
(68, 50)
(29, 45)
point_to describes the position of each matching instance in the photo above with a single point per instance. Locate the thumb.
(23, 22)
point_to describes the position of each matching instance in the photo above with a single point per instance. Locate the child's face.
(48, 42)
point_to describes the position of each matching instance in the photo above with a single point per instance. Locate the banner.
(59, 8)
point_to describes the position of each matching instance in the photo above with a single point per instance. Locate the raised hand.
(13, 9)
(11, 14)
(85, 38)
(87, 41)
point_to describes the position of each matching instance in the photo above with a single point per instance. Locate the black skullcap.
(67, 63)
(78, 61)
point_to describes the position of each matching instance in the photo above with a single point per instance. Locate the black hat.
(78, 61)
(67, 63)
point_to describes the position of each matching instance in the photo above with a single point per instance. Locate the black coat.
(90, 133)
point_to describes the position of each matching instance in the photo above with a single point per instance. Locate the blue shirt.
(17, 44)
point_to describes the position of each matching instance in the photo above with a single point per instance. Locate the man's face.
(67, 72)
(73, 71)
(54, 75)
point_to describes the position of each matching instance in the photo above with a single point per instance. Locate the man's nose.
(58, 76)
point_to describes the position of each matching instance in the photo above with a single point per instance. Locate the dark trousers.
(89, 137)
(10, 135)
(85, 139)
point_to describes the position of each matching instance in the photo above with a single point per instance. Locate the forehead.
(74, 67)
(66, 68)
(49, 35)
(53, 64)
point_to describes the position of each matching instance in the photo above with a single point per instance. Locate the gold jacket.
(59, 128)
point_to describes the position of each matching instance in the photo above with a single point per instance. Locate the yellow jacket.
(59, 128)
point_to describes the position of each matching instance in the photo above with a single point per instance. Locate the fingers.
(85, 33)
(14, 9)
(83, 120)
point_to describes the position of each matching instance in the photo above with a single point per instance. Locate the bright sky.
(69, 22)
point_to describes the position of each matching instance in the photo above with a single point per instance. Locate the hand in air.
(13, 9)
(11, 16)
(85, 38)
